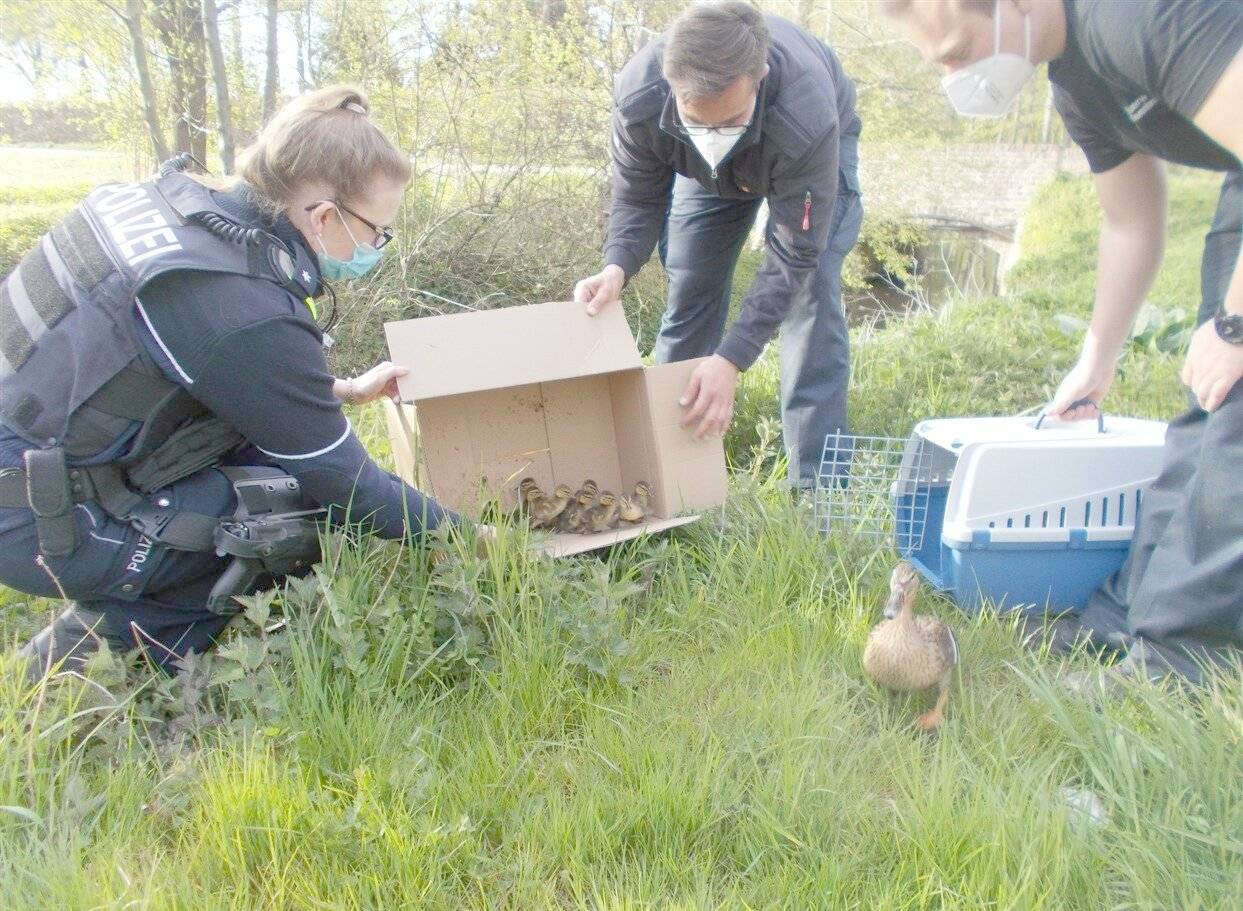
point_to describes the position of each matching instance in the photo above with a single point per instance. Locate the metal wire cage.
(875, 489)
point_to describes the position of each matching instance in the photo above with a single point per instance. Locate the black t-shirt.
(1136, 72)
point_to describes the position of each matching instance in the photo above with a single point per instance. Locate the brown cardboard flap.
(564, 545)
(403, 439)
(511, 346)
(690, 473)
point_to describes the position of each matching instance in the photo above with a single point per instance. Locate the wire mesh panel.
(874, 488)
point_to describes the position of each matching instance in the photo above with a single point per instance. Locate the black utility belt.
(50, 490)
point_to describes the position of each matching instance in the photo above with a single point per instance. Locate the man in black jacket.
(1139, 83)
(729, 109)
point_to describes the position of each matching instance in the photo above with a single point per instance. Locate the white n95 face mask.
(714, 147)
(988, 87)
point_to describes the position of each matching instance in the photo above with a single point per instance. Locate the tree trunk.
(224, 109)
(300, 37)
(237, 61)
(150, 113)
(269, 80)
(180, 26)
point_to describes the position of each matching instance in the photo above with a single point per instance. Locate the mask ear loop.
(345, 224)
(1027, 32)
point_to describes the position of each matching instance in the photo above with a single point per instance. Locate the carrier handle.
(1100, 415)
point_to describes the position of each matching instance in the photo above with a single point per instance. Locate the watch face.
(1229, 326)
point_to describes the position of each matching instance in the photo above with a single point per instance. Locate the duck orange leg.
(932, 718)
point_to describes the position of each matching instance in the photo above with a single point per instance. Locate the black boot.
(1063, 634)
(67, 643)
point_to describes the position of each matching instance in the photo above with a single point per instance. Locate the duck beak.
(893, 606)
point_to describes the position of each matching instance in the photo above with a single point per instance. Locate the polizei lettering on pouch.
(137, 226)
(140, 554)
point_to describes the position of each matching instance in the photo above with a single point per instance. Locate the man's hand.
(709, 397)
(1212, 367)
(1089, 379)
(379, 381)
(601, 289)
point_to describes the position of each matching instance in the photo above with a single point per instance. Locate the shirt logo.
(1139, 107)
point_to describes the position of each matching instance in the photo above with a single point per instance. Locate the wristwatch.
(1229, 326)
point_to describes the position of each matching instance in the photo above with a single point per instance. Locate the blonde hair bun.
(319, 138)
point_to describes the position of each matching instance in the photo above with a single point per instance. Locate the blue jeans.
(699, 249)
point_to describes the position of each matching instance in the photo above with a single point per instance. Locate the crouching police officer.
(169, 428)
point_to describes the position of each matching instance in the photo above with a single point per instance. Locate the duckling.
(529, 494)
(584, 497)
(643, 495)
(603, 516)
(629, 511)
(549, 509)
(909, 651)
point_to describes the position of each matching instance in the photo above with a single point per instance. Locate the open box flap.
(565, 545)
(511, 346)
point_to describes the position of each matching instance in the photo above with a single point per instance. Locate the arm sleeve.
(800, 213)
(641, 184)
(1175, 51)
(268, 378)
(288, 412)
(1102, 152)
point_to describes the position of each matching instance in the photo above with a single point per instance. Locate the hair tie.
(355, 107)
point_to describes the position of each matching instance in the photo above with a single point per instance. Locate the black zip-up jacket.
(788, 155)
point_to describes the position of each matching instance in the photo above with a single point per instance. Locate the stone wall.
(985, 186)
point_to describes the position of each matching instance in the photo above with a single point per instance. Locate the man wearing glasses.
(726, 110)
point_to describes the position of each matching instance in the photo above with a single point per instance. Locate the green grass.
(684, 725)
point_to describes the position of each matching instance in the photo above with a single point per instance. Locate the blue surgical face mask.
(363, 261)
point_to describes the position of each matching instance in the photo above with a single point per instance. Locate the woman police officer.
(162, 336)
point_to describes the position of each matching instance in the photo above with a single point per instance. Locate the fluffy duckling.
(573, 517)
(529, 494)
(635, 508)
(549, 509)
(643, 496)
(604, 515)
(909, 651)
(629, 511)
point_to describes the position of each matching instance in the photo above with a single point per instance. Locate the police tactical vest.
(74, 373)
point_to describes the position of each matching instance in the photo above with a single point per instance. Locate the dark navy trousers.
(126, 590)
(704, 235)
(1179, 596)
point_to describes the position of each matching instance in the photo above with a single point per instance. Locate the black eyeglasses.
(382, 235)
(694, 129)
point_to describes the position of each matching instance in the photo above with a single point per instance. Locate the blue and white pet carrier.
(998, 509)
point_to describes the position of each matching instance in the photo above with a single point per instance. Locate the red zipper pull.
(807, 212)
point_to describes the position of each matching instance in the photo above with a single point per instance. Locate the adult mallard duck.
(909, 651)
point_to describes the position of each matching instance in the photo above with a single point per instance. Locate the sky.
(16, 89)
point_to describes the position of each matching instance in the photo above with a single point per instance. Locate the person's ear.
(319, 217)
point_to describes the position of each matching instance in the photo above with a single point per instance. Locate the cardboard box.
(548, 392)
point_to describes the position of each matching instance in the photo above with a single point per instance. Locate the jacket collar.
(242, 202)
